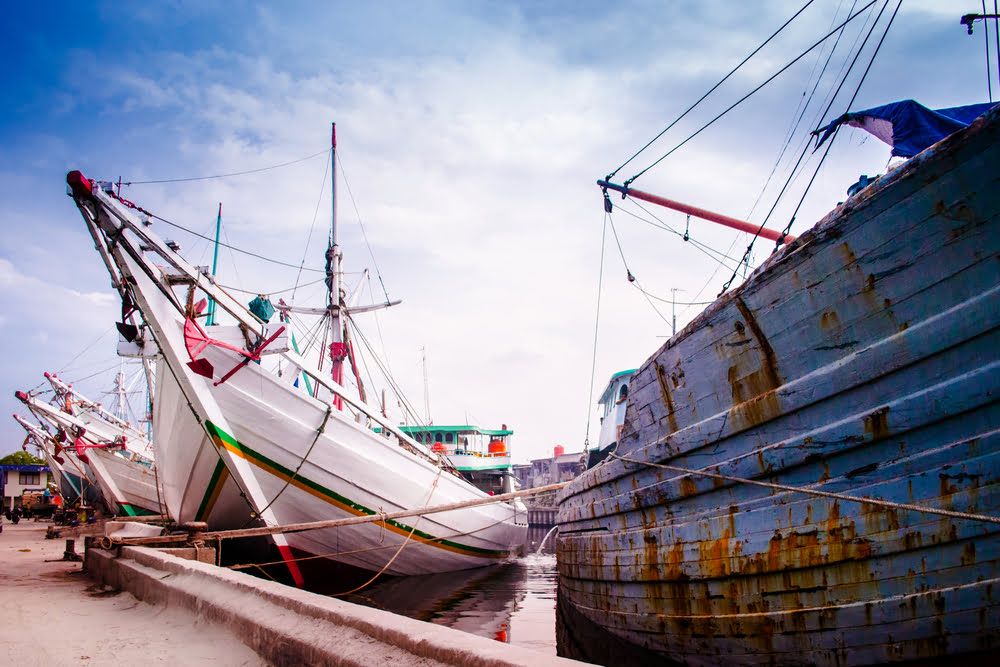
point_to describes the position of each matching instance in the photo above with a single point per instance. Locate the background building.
(560, 467)
(16, 479)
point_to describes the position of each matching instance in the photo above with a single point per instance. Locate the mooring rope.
(245, 566)
(350, 521)
(378, 574)
(319, 432)
(814, 492)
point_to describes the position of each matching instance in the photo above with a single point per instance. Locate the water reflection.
(514, 602)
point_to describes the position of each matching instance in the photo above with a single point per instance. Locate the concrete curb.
(287, 626)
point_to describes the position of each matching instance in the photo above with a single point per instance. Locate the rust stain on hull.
(668, 401)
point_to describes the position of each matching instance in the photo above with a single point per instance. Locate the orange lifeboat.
(559, 450)
(497, 448)
(439, 448)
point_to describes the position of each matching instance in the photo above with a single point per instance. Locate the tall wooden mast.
(338, 349)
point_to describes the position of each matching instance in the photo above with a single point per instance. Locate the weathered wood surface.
(863, 359)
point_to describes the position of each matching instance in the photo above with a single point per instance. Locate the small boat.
(74, 479)
(482, 456)
(127, 478)
(96, 417)
(809, 472)
(298, 446)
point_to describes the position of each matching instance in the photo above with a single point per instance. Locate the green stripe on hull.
(210, 492)
(134, 510)
(332, 496)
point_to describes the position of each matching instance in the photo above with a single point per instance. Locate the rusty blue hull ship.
(854, 378)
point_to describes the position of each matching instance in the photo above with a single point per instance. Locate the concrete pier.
(287, 626)
(51, 614)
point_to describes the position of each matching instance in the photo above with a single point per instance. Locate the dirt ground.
(51, 614)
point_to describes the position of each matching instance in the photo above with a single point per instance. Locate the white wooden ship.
(294, 455)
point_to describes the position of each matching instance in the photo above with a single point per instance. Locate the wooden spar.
(717, 218)
(350, 521)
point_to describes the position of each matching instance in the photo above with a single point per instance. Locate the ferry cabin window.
(437, 437)
(28, 478)
(449, 438)
(623, 394)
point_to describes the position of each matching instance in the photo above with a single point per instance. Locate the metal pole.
(215, 263)
(673, 308)
(673, 311)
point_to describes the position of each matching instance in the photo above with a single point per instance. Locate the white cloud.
(471, 138)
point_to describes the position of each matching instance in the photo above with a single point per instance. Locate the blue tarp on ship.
(908, 126)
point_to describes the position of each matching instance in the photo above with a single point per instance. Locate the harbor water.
(514, 602)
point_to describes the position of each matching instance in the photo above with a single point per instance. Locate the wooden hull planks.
(862, 359)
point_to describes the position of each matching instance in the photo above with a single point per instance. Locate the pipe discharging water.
(546, 538)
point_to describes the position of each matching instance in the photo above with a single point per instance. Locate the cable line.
(312, 226)
(698, 245)
(677, 303)
(364, 232)
(827, 152)
(597, 322)
(711, 90)
(857, 90)
(751, 93)
(801, 116)
(631, 278)
(230, 247)
(235, 173)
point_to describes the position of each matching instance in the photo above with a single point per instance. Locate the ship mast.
(338, 349)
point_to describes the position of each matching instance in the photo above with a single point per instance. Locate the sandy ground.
(51, 614)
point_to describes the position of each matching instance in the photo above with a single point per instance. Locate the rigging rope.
(631, 278)
(364, 232)
(711, 90)
(235, 173)
(857, 90)
(404, 403)
(84, 350)
(597, 321)
(319, 432)
(698, 245)
(751, 93)
(381, 547)
(272, 292)
(312, 226)
(827, 152)
(378, 574)
(226, 245)
(801, 116)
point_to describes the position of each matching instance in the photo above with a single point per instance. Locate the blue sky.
(470, 137)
